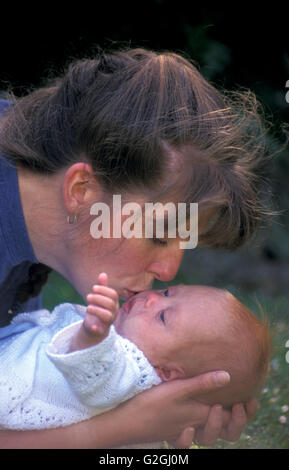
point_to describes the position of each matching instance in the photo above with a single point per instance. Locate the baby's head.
(188, 330)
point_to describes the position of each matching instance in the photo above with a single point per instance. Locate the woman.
(148, 127)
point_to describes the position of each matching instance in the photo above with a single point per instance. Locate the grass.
(270, 428)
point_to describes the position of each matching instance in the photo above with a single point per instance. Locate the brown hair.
(118, 110)
(139, 118)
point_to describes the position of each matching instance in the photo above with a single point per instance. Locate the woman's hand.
(169, 411)
(224, 424)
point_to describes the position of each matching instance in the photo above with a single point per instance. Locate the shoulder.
(4, 105)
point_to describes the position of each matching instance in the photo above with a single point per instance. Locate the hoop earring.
(71, 218)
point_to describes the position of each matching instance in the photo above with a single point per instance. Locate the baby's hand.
(101, 312)
(102, 309)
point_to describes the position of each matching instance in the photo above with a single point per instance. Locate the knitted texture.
(42, 386)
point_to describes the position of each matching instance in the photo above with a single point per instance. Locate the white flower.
(273, 399)
(282, 419)
(284, 408)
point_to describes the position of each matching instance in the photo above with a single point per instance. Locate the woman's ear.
(77, 187)
(167, 373)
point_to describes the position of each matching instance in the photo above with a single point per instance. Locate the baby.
(185, 331)
(80, 362)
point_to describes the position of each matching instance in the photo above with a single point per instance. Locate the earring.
(71, 218)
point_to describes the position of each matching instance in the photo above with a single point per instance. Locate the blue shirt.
(16, 252)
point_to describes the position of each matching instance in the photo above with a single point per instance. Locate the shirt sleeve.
(105, 374)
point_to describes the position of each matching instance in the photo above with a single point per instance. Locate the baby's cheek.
(137, 335)
(126, 327)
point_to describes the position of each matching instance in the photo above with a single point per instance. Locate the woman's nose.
(166, 268)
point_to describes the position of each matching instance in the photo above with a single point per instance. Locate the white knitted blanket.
(42, 386)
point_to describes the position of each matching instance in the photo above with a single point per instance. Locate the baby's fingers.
(102, 279)
(97, 320)
(100, 315)
(93, 325)
(102, 301)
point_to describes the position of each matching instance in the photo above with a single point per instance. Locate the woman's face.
(131, 264)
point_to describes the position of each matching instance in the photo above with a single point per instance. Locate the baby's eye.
(166, 293)
(162, 316)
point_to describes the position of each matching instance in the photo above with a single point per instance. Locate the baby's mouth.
(127, 306)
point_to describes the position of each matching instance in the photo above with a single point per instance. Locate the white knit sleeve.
(33, 393)
(105, 374)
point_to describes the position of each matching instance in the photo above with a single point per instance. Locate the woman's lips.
(127, 294)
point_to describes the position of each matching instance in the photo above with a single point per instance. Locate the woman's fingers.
(209, 433)
(203, 383)
(224, 424)
(185, 440)
(251, 408)
(236, 425)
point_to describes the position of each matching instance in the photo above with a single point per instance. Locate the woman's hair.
(142, 118)
(37, 277)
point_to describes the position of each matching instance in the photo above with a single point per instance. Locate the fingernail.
(218, 408)
(222, 378)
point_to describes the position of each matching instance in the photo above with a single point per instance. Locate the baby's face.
(169, 324)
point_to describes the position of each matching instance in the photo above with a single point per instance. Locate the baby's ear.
(167, 374)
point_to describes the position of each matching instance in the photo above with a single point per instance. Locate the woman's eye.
(158, 241)
(162, 317)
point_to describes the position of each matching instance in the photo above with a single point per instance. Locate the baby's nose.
(151, 298)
